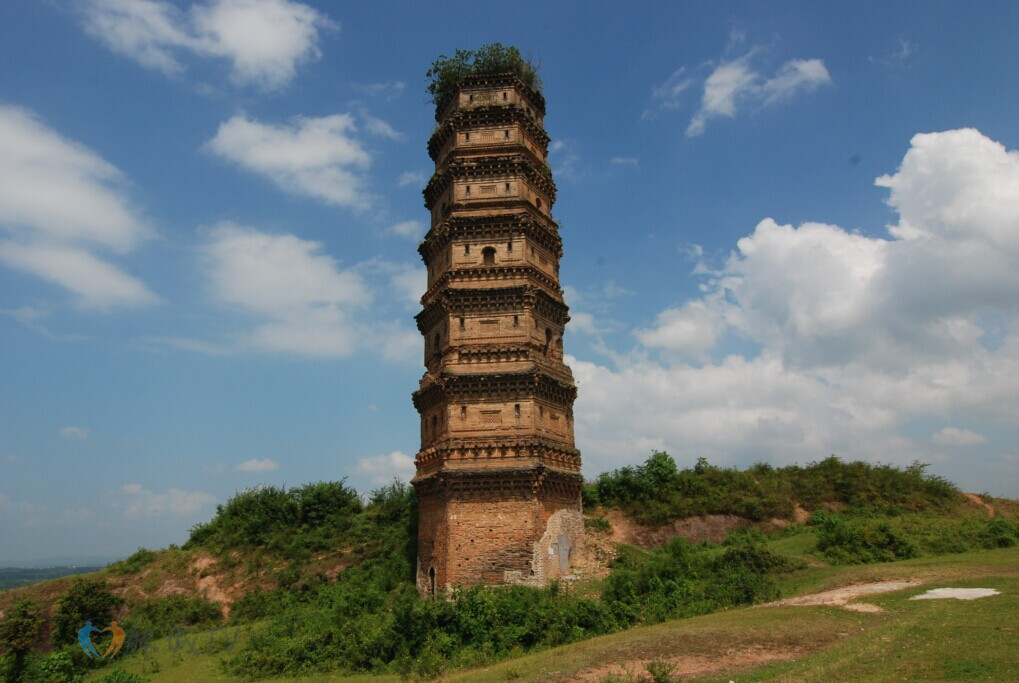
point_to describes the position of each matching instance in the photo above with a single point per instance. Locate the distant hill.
(16, 577)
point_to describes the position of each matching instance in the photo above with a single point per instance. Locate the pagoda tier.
(498, 475)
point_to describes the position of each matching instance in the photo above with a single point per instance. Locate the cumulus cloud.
(74, 433)
(736, 84)
(257, 465)
(301, 295)
(411, 178)
(262, 40)
(60, 203)
(313, 157)
(140, 502)
(818, 340)
(384, 468)
(689, 330)
(953, 436)
(413, 230)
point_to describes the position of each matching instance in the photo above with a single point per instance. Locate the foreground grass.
(911, 640)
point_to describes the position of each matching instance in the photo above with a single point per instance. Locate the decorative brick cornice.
(529, 223)
(493, 274)
(456, 301)
(489, 166)
(506, 79)
(447, 387)
(484, 117)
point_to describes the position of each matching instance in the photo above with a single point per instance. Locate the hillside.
(319, 557)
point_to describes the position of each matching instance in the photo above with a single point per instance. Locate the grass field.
(909, 640)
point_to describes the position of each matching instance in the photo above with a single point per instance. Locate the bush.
(447, 73)
(859, 541)
(162, 616)
(658, 492)
(19, 635)
(86, 600)
(134, 562)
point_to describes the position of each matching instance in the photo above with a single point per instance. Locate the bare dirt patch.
(956, 593)
(980, 501)
(842, 597)
(711, 528)
(687, 666)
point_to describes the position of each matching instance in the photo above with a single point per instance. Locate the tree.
(86, 600)
(19, 632)
(447, 72)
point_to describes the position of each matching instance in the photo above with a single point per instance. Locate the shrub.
(85, 600)
(19, 633)
(859, 541)
(134, 562)
(657, 491)
(162, 616)
(447, 73)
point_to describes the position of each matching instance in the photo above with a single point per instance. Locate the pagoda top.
(487, 81)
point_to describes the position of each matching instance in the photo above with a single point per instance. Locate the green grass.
(910, 640)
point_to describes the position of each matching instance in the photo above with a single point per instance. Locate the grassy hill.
(313, 582)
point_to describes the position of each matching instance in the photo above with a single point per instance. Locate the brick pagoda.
(498, 476)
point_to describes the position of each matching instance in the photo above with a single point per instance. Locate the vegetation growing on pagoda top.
(447, 73)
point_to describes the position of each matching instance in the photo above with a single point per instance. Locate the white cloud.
(257, 465)
(139, 501)
(379, 128)
(299, 292)
(736, 83)
(314, 157)
(384, 468)
(689, 330)
(845, 339)
(74, 433)
(625, 161)
(263, 40)
(564, 156)
(668, 95)
(59, 203)
(388, 91)
(953, 436)
(795, 76)
(412, 229)
(411, 178)
(410, 282)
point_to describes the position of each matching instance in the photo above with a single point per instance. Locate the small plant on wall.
(447, 73)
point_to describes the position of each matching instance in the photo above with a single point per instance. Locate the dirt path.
(689, 666)
(980, 501)
(841, 597)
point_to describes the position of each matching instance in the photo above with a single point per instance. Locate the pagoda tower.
(498, 476)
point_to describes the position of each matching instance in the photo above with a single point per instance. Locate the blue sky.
(790, 230)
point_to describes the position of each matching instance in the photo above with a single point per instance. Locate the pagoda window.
(537, 200)
(505, 133)
(516, 410)
(436, 342)
(507, 188)
(467, 137)
(488, 256)
(509, 247)
(469, 193)
(463, 323)
(463, 412)
(516, 321)
(504, 96)
(467, 250)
